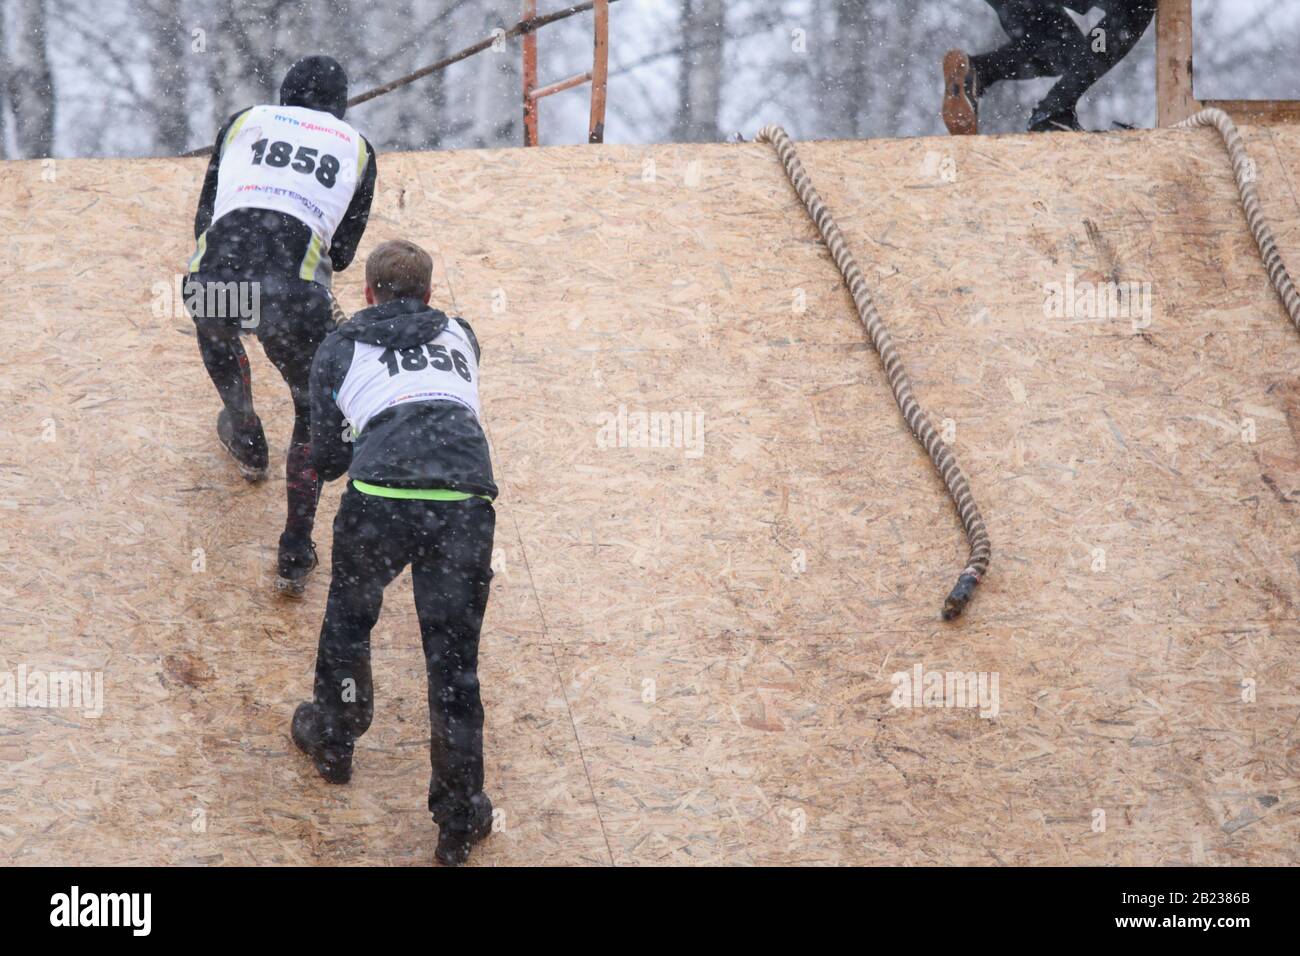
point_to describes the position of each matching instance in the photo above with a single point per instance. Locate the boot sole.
(291, 588)
(250, 473)
(253, 475)
(1055, 128)
(294, 587)
(959, 113)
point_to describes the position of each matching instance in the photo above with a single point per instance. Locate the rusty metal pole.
(597, 76)
(599, 73)
(530, 77)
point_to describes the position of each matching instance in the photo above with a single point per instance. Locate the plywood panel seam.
(564, 692)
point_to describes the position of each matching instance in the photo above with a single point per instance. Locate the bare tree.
(244, 54)
(3, 85)
(843, 84)
(495, 118)
(29, 81)
(420, 123)
(165, 25)
(699, 89)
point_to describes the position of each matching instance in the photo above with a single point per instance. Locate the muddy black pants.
(291, 318)
(1045, 41)
(448, 545)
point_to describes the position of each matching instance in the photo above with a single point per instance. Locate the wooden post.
(599, 73)
(1174, 100)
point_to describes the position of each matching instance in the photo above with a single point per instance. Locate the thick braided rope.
(917, 420)
(1243, 168)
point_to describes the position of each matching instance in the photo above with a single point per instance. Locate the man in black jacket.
(284, 204)
(395, 402)
(1044, 42)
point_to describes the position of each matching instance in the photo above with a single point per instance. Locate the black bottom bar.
(929, 906)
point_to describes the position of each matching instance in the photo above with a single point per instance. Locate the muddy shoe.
(457, 836)
(295, 563)
(334, 763)
(248, 447)
(960, 95)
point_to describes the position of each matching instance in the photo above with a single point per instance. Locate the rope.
(918, 421)
(336, 310)
(1243, 168)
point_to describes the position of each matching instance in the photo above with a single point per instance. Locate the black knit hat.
(318, 83)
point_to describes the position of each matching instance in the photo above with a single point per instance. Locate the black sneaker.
(295, 563)
(334, 763)
(247, 448)
(1060, 121)
(457, 836)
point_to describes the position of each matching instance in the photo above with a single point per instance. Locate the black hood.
(318, 83)
(399, 324)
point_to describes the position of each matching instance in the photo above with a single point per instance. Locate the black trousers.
(1046, 42)
(448, 545)
(293, 318)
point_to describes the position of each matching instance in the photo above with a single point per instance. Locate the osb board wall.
(687, 657)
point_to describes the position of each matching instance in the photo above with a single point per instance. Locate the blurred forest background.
(157, 77)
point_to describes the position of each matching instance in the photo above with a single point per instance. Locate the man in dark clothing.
(395, 403)
(284, 204)
(1044, 42)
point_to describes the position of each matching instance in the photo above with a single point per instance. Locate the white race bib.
(291, 159)
(444, 370)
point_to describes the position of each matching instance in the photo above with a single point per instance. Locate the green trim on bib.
(423, 494)
(311, 260)
(197, 259)
(235, 127)
(362, 155)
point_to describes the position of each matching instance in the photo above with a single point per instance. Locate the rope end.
(960, 596)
